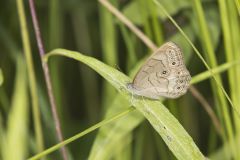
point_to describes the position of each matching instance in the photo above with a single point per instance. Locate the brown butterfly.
(164, 74)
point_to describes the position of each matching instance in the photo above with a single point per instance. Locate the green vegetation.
(93, 50)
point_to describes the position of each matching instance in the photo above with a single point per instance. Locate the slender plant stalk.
(208, 109)
(47, 78)
(207, 44)
(142, 37)
(216, 70)
(31, 76)
(235, 41)
(230, 25)
(81, 134)
(228, 43)
(128, 23)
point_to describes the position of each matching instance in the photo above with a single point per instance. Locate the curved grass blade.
(168, 127)
(112, 134)
(108, 137)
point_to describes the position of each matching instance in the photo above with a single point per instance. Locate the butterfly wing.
(163, 74)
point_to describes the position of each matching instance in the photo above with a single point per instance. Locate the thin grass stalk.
(31, 76)
(229, 52)
(129, 24)
(81, 134)
(207, 44)
(227, 42)
(235, 32)
(235, 41)
(216, 70)
(47, 78)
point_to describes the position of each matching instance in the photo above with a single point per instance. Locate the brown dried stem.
(47, 77)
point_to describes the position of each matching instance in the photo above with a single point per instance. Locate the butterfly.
(164, 74)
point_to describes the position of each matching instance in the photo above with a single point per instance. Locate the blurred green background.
(84, 98)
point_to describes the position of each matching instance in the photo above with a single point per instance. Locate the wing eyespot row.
(174, 55)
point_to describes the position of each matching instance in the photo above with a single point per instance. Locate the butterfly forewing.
(163, 74)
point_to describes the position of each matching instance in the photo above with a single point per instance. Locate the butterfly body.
(163, 75)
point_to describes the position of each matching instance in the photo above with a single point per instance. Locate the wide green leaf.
(168, 127)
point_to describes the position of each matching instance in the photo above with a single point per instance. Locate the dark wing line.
(152, 84)
(159, 61)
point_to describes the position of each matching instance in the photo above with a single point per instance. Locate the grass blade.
(18, 118)
(171, 131)
(207, 74)
(112, 134)
(31, 76)
(79, 135)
